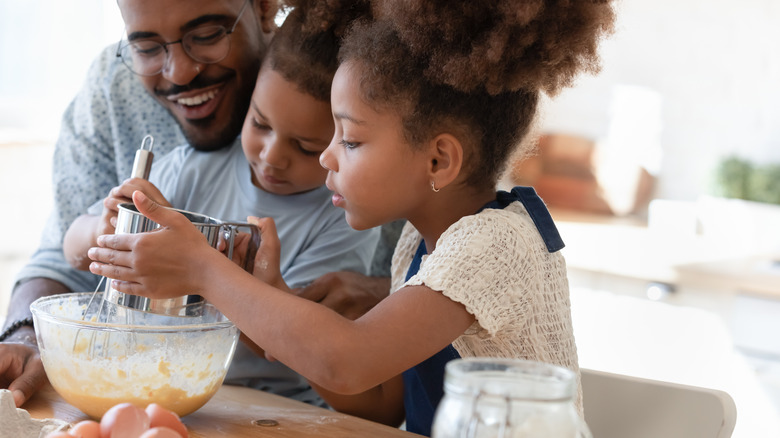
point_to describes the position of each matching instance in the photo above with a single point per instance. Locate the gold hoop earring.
(433, 187)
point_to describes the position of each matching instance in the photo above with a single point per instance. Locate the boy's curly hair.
(304, 50)
(476, 68)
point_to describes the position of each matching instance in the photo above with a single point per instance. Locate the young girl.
(429, 102)
(272, 170)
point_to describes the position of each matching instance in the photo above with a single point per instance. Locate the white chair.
(619, 406)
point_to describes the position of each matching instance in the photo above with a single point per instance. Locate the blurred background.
(663, 173)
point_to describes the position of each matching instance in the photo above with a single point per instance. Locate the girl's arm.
(382, 404)
(342, 356)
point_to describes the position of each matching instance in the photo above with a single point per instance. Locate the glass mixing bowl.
(101, 354)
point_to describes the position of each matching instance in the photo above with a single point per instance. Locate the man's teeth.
(197, 100)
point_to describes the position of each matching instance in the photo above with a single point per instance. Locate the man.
(201, 59)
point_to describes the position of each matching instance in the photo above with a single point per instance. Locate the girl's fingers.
(116, 272)
(112, 258)
(154, 211)
(127, 287)
(122, 242)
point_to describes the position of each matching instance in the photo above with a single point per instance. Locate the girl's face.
(375, 174)
(285, 131)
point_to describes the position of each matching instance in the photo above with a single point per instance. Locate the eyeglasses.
(206, 44)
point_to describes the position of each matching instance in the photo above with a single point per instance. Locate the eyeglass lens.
(147, 57)
(207, 44)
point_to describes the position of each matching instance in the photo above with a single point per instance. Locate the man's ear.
(446, 160)
(266, 10)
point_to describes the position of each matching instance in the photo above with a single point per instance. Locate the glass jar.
(503, 398)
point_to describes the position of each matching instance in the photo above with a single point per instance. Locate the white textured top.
(496, 264)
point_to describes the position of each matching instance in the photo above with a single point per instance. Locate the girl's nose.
(327, 158)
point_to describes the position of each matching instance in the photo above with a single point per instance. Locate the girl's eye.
(348, 144)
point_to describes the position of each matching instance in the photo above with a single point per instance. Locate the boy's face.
(207, 100)
(375, 174)
(285, 131)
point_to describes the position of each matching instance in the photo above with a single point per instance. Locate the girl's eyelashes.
(348, 144)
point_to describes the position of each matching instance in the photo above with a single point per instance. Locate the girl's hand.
(164, 263)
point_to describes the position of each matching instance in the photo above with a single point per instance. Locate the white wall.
(716, 67)
(46, 47)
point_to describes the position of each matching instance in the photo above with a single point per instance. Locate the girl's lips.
(337, 200)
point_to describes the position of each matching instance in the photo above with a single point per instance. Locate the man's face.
(209, 101)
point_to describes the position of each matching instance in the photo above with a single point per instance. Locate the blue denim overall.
(424, 383)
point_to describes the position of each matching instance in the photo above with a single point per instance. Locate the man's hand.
(21, 369)
(348, 293)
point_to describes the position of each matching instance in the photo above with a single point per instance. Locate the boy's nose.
(273, 154)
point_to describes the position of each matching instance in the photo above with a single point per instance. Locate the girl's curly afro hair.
(499, 44)
(475, 69)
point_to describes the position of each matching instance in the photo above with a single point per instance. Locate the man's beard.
(217, 138)
(204, 134)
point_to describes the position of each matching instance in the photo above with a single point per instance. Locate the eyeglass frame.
(165, 45)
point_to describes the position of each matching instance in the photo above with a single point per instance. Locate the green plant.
(738, 178)
(732, 176)
(764, 184)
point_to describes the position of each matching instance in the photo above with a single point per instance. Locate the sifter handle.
(143, 159)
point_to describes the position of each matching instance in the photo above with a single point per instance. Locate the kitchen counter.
(630, 248)
(242, 412)
(757, 275)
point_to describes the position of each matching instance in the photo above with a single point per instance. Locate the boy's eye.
(348, 144)
(258, 125)
(304, 151)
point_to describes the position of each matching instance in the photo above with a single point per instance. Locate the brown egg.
(124, 421)
(160, 432)
(161, 417)
(85, 429)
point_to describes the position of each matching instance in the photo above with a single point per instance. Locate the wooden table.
(242, 412)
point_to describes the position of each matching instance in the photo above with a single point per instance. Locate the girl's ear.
(446, 160)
